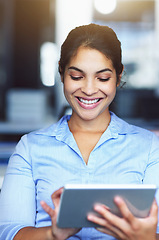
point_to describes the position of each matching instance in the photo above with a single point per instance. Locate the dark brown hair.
(101, 38)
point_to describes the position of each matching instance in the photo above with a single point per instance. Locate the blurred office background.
(31, 33)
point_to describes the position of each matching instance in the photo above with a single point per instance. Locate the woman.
(91, 146)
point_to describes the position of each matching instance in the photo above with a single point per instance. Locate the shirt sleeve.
(17, 198)
(152, 170)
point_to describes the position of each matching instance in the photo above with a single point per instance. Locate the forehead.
(89, 58)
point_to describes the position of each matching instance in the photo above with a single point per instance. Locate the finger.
(98, 220)
(47, 209)
(56, 197)
(107, 231)
(130, 222)
(107, 215)
(154, 209)
(153, 216)
(125, 212)
(119, 226)
(106, 226)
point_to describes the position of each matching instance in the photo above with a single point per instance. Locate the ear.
(60, 71)
(62, 78)
(120, 76)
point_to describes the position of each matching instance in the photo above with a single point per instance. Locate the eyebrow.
(100, 71)
(104, 70)
(76, 69)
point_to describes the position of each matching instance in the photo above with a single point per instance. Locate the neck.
(98, 124)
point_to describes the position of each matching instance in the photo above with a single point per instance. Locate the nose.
(89, 87)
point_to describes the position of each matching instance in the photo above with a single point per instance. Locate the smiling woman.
(90, 146)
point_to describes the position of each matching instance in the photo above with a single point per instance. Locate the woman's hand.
(128, 227)
(57, 233)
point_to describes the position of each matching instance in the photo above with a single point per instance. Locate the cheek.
(70, 86)
(68, 90)
(66, 86)
(110, 89)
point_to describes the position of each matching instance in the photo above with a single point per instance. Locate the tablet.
(78, 200)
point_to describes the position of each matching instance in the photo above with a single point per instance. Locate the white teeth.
(88, 101)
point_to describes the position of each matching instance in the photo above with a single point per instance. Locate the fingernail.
(117, 199)
(97, 207)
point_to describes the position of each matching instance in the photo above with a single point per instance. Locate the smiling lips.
(88, 103)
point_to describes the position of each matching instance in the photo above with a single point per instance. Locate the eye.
(104, 79)
(76, 78)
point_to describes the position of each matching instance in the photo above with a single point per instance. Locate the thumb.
(154, 209)
(47, 209)
(56, 197)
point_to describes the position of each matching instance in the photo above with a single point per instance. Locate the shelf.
(6, 149)
(23, 127)
(3, 168)
(18, 128)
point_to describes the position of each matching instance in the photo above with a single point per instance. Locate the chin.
(88, 117)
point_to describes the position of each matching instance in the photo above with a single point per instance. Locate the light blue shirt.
(47, 159)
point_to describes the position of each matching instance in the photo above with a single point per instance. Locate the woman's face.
(90, 83)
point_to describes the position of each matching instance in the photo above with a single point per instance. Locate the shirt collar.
(58, 129)
(120, 127)
(117, 126)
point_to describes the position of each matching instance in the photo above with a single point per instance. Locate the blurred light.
(48, 63)
(105, 6)
(70, 14)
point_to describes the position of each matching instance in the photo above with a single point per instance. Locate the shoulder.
(53, 130)
(124, 128)
(42, 136)
(144, 141)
